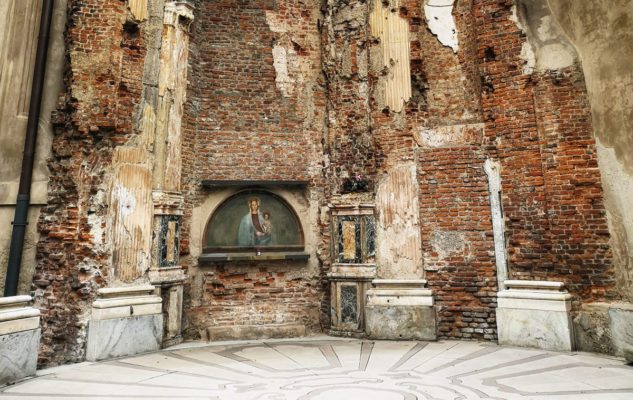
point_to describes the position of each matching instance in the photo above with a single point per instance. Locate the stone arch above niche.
(233, 228)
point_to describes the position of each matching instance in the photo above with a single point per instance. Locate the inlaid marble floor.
(326, 368)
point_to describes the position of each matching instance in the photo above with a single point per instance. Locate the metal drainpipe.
(24, 191)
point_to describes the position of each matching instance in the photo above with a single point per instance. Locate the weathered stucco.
(547, 47)
(19, 24)
(601, 31)
(399, 252)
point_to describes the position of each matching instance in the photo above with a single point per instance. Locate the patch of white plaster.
(275, 23)
(527, 54)
(439, 18)
(447, 243)
(284, 82)
(96, 230)
(127, 201)
(447, 135)
(493, 170)
(546, 47)
(399, 252)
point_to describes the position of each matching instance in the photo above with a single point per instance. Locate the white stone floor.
(326, 368)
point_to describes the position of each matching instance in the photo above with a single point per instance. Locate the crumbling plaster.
(439, 17)
(601, 32)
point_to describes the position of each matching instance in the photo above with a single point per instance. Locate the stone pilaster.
(165, 272)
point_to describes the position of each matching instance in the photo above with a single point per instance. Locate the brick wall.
(257, 294)
(457, 240)
(255, 111)
(538, 124)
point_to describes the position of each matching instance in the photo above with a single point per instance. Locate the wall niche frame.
(231, 232)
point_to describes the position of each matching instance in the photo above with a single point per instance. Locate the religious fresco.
(253, 220)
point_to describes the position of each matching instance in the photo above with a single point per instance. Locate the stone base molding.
(125, 321)
(400, 309)
(19, 338)
(535, 314)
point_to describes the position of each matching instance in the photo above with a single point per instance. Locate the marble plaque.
(349, 304)
(349, 240)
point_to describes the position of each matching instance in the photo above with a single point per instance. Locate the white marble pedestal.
(19, 338)
(535, 314)
(400, 309)
(125, 321)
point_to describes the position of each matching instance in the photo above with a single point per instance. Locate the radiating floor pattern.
(331, 369)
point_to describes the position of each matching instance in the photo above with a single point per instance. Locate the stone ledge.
(126, 302)
(127, 291)
(399, 292)
(534, 285)
(246, 332)
(16, 315)
(354, 272)
(209, 258)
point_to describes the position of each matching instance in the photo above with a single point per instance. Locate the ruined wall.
(600, 30)
(417, 138)
(18, 40)
(538, 118)
(95, 133)
(255, 112)
(483, 84)
(332, 92)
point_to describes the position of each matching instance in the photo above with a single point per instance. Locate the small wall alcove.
(253, 224)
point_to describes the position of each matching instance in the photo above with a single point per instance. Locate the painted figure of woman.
(251, 232)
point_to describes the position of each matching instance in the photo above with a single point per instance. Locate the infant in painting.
(266, 225)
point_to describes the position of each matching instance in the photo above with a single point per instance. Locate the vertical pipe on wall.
(26, 175)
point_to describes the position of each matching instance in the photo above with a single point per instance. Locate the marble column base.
(118, 337)
(124, 322)
(535, 314)
(400, 310)
(19, 338)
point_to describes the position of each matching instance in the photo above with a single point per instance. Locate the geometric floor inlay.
(328, 368)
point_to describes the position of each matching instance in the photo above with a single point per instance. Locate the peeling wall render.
(398, 253)
(439, 17)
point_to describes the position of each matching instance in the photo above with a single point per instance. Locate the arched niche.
(253, 221)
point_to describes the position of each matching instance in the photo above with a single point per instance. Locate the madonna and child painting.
(253, 219)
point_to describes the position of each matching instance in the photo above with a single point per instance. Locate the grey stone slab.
(246, 332)
(118, 337)
(622, 331)
(18, 355)
(549, 330)
(401, 322)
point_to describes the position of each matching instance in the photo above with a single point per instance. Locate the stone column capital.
(178, 14)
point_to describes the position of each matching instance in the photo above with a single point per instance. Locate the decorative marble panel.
(169, 240)
(355, 239)
(349, 304)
